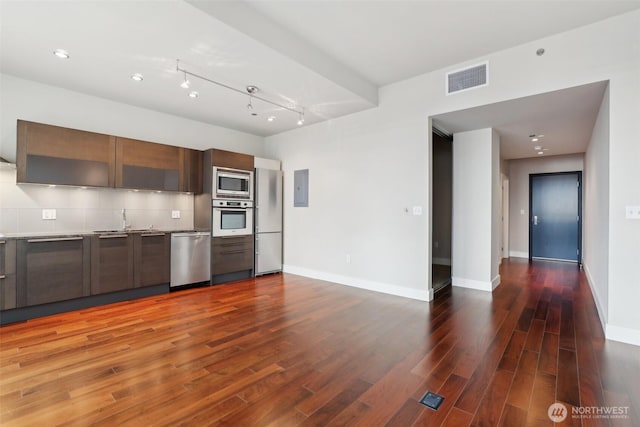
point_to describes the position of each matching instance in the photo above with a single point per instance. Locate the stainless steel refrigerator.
(268, 221)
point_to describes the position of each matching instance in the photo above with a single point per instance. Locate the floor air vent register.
(432, 400)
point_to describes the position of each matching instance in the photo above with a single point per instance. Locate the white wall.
(519, 171)
(596, 211)
(474, 254)
(28, 100)
(357, 143)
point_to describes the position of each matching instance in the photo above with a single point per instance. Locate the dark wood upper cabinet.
(52, 269)
(149, 166)
(49, 154)
(193, 170)
(229, 159)
(152, 259)
(111, 263)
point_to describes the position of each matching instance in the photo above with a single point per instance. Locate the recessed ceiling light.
(535, 140)
(540, 152)
(61, 53)
(137, 77)
(537, 148)
(193, 94)
(271, 118)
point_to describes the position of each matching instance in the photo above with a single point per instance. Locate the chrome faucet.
(124, 219)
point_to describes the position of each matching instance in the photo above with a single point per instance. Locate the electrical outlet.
(48, 214)
(175, 214)
(632, 212)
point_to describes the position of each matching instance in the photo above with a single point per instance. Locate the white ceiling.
(565, 118)
(328, 57)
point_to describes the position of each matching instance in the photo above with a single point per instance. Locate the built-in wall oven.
(232, 218)
(232, 184)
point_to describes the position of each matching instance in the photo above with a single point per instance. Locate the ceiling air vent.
(468, 78)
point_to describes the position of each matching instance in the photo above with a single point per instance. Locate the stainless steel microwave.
(232, 184)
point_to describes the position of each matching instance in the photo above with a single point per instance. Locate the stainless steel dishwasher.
(190, 258)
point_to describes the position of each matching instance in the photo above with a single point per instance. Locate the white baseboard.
(611, 332)
(386, 288)
(476, 284)
(622, 334)
(518, 254)
(441, 261)
(596, 297)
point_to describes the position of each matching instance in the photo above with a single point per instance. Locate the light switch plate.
(175, 214)
(632, 212)
(48, 214)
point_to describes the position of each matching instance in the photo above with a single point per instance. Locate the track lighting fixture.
(186, 83)
(251, 90)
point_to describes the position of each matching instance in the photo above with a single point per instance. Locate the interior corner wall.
(519, 171)
(596, 211)
(37, 102)
(474, 166)
(496, 209)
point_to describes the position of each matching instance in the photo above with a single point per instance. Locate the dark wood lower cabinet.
(7, 274)
(52, 269)
(111, 263)
(152, 259)
(231, 254)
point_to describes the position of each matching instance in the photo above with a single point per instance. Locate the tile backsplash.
(89, 209)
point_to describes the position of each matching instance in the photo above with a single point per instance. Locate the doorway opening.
(555, 216)
(441, 210)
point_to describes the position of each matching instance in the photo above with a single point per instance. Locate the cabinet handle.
(112, 236)
(152, 234)
(2, 242)
(3, 277)
(58, 239)
(231, 252)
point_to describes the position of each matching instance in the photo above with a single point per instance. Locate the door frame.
(531, 176)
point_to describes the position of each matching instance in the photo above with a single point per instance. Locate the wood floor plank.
(287, 350)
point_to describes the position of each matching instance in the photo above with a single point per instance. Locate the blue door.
(555, 216)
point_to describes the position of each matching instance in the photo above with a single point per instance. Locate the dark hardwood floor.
(285, 350)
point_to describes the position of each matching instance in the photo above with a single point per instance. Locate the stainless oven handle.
(112, 236)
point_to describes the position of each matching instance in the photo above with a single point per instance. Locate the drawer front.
(231, 254)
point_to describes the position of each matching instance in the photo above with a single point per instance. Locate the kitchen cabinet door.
(152, 259)
(229, 159)
(7, 274)
(193, 171)
(55, 155)
(149, 166)
(111, 263)
(52, 269)
(231, 254)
